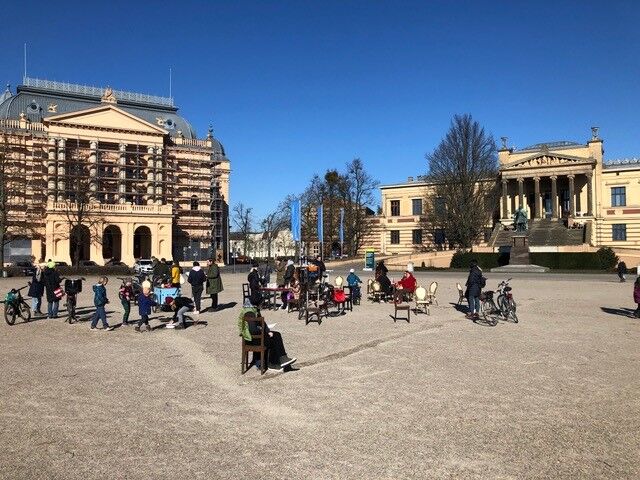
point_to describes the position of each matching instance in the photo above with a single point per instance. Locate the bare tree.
(462, 171)
(243, 220)
(361, 187)
(271, 224)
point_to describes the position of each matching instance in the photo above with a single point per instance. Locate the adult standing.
(197, 279)
(36, 290)
(214, 282)
(622, 271)
(475, 282)
(51, 279)
(175, 274)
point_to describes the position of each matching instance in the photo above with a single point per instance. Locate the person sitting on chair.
(180, 306)
(385, 284)
(255, 295)
(407, 284)
(276, 353)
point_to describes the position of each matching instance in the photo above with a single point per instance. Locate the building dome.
(6, 95)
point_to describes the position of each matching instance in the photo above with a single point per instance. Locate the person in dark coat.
(214, 282)
(622, 271)
(51, 279)
(381, 268)
(197, 279)
(385, 284)
(636, 296)
(474, 287)
(36, 290)
(255, 295)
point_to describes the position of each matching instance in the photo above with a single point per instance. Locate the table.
(272, 295)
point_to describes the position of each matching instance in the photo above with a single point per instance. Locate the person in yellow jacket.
(175, 274)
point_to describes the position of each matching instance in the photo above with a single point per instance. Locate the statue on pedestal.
(520, 220)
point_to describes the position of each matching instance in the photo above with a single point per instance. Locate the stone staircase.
(542, 233)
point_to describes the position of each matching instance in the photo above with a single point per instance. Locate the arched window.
(194, 202)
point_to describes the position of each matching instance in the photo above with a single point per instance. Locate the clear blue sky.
(296, 87)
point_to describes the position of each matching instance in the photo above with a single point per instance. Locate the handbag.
(59, 293)
(182, 279)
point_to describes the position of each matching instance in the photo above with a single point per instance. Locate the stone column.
(51, 171)
(159, 192)
(122, 173)
(538, 199)
(150, 176)
(62, 190)
(505, 185)
(589, 194)
(93, 168)
(572, 196)
(554, 197)
(521, 192)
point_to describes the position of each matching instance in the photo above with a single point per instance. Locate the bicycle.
(72, 287)
(488, 308)
(14, 306)
(506, 303)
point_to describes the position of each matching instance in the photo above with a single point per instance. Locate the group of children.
(180, 305)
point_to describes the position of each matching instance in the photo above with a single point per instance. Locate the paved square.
(555, 396)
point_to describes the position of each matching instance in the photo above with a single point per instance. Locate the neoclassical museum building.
(560, 184)
(100, 174)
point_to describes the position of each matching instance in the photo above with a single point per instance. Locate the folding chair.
(260, 347)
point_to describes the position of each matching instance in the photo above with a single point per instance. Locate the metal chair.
(460, 293)
(433, 288)
(339, 281)
(260, 347)
(376, 291)
(400, 304)
(422, 300)
(245, 292)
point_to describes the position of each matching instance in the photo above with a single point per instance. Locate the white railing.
(112, 208)
(191, 142)
(96, 91)
(21, 125)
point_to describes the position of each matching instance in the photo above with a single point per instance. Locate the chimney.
(410, 179)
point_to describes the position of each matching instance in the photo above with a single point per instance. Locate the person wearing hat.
(51, 280)
(255, 295)
(354, 283)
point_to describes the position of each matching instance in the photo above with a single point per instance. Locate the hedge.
(463, 259)
(603, 259)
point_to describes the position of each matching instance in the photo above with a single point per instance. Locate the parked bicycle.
(15, 306)
(72, 287)
(504, 306)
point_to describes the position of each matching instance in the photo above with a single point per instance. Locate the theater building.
(568, 184)
(101, 174)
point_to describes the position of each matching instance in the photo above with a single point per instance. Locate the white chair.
(460, 294)
(422, 300)
(433, 288)
(339, 281)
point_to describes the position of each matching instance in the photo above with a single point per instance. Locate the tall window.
(416, 206)
(395, 208)
(440, 206)
(416, 236)
(395, 237)
(619, 231)
(194, 202)
(618, 196)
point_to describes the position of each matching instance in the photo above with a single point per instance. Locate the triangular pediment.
(547, 159)
(106, 116)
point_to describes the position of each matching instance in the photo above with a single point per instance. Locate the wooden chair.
(245, 292)
(400, 304)
(433, 288)
(422, 300)
(260, 348)
(460, 294)
(348, 303)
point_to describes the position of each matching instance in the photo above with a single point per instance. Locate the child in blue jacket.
(145, 302)
(100, 300)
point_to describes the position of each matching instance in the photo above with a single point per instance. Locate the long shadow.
(624, 312)
(460, 307)
(221, 306)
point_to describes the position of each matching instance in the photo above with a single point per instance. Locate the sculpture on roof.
(108, 96)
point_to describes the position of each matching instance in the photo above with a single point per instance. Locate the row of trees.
(351, 190)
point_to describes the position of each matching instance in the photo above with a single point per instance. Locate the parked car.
(143, 266)
(88, 263)
(61, 264)
(243, 259)
(27, 268)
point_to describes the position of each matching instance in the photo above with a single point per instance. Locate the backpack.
(483, 281)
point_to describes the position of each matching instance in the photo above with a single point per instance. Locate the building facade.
(563, 181)
(98, 174)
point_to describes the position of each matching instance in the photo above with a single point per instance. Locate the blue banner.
(341, 231)
(320, 224)
(295, 220)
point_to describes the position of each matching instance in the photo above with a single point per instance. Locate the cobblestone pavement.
(554, 396)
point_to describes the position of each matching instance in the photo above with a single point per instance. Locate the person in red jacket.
(407, 283)
(636, 296)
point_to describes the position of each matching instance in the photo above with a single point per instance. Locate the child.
(636, 296)
(126, 294)
(354, 283)
(145, 302)
(100, 300)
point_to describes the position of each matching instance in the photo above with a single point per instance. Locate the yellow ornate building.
(558, 183)
(108, 174)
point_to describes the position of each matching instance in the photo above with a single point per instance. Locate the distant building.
(557, 183)
(152, 187)
(257, 244)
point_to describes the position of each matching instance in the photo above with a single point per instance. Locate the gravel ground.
(554, 396)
